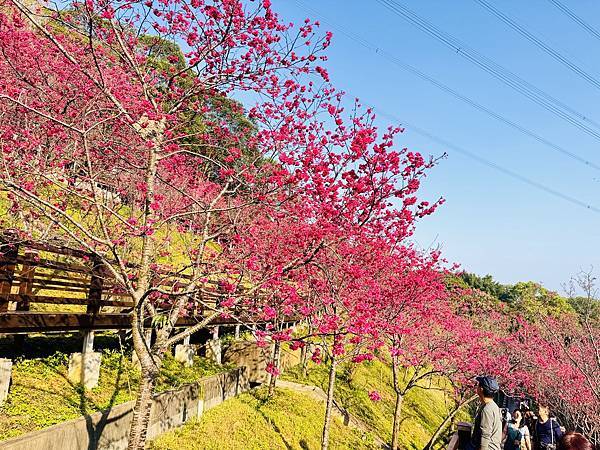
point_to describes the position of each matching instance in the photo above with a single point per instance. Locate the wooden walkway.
(52, 288)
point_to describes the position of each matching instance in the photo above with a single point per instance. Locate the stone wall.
(109, 430)
(248, 354)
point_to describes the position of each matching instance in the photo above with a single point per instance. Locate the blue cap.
(488, 384)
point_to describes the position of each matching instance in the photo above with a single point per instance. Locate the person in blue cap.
(486, 433)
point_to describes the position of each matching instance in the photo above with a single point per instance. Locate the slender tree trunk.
(396, 425)
(446, 421)
(149, 368)
(329, 405)
(398, 406)
(304, 360)
(141, 413)
(277, 363)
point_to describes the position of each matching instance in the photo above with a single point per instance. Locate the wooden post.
(96, 283)
(26, 277)
(8, 256)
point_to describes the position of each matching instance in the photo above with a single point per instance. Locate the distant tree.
(488, 285)
(586, 305)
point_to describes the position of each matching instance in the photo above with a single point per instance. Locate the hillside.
(288, 421)
(293, 420)
(423, 410)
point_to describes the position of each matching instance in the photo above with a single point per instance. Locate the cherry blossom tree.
(120, 138)
(134, 158)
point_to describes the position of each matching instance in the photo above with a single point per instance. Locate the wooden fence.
(47, 287)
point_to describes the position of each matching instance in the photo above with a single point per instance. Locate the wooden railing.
(76, 288)
(31, 272)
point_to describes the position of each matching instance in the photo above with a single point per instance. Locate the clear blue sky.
(491, 223)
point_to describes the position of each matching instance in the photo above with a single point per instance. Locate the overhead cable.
(539, 43)
(512, 80)
(413, 70)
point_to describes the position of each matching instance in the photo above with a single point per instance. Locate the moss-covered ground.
(41, 394)
(293, 420)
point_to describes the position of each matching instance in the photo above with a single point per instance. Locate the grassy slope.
(41, 395)
(292, 420)
(288, 421)
(423, 410)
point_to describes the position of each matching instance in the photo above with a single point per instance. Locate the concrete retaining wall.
(248, 354)
(109, 430)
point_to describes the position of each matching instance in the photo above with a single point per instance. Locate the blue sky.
(491, 223)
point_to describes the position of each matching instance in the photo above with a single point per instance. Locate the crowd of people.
(521, 429)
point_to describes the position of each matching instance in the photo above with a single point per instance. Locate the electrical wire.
(413, 70)
(486, 162)
(481, 160)
(539, 43)
(576, 18)
(525, 88)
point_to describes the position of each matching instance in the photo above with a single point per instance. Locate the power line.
(525, 88)
(474, 156)
(413, 70)
(576, 18)
(539, 43)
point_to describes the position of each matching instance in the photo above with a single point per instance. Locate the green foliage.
(535, 301)
(530, 298)
(488, 285)
(586, 308)
(174, 374)
(289, 420)
(41, 394)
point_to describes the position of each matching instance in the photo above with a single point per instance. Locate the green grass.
(41, 394)
(290, 420)
(422, 412)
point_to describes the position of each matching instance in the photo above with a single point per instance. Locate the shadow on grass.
(263, 400)
(43, 348)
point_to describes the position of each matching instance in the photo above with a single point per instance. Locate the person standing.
(524, 429)
(486, 433)
(547, 430)
(514, 437)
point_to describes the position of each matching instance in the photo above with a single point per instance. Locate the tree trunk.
(396, 425)
(304, 352)
(398, 406)
(149, 364)
(276, 362)
(141, 413)
(446, 421)
(329, 406)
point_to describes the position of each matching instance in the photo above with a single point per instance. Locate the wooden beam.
(36, 322)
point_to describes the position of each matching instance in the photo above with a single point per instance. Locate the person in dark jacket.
(547, 429)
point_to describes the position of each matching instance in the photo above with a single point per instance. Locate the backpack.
(512, 436)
